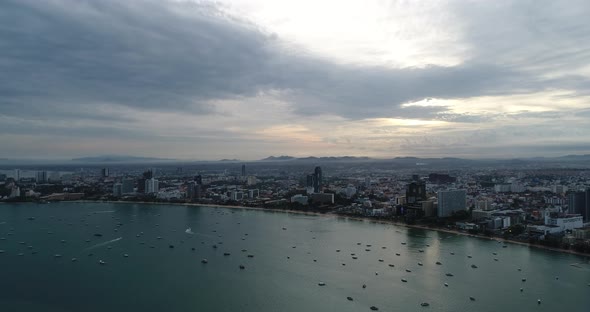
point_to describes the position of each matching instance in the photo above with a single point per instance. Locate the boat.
(420, 250)
(226, 253)
(471, 298)
(495, 253)
(474, 266)
(57, 255)
(504, 246)
(368, 245)
(521, 289)
(420, 263)
(452, 253)
(391, 265)
(284, 229)
(449, 274)
(204, 261)
(469, 256)
(322, 284)
(519, 269)
(446, 285)
(495, 259)
(126, 255)
(101, 262)
(407, 270)
(376, 273)
(365, 286)
(524, 279)
(404, 280)
(538, 301)
(380, 260)
(242, 267)
(355, 257)
(170, 246)
(349, 298)
(438, 262)
(397, 254)
(374, 308)
(403, 243)
(383, 247)
(424, 304)
(337, 250)
(367, 249)
(250, 256)
(74, 259)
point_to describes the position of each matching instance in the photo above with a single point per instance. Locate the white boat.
(322, 284)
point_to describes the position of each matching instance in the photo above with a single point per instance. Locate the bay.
(281, 275)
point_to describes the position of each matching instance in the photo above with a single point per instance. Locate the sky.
(206, 80)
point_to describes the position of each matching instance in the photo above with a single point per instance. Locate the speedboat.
(242, 267)
(349, 298)
(449, 274)
(391, 265)
(420, 263)
(404, 280)
(446, 285)
(438, 262)
(472, 298)
(407, 270)
(204, 261)
(374, 308)
(322, 284)
(474, 266)
(101, 262)
(424, 304)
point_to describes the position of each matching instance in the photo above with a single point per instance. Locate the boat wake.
(103, 244)
(105, 211)
(189, 231)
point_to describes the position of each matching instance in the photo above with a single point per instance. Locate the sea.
(152, 257)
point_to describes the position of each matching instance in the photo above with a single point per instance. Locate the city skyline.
(245, 80)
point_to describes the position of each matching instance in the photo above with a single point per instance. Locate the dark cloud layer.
(176, 56)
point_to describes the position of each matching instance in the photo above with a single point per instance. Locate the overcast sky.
(248, 79)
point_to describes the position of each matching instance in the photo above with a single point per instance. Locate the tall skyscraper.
(450, 202)
(579, 203)
(117, 190)
(152, 186)
(41, 176)
(104, 172)
(243, 170)
(17, 175)
(142, 181)
(415, 192)
(317, 182)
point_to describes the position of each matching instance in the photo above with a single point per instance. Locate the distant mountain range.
(119, 159)
(312, 158)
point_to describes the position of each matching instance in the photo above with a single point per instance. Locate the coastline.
(362, 219)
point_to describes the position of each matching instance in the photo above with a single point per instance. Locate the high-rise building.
(2, 177)
(41, 176)
(151, 186)
(243, 170)
(127, 186)
(104, 172)
(199, 179)
(141, 183)
(117, 189)
(317, 182)
(450, 202)
(16, 175)
(415, 192)
(579, 202)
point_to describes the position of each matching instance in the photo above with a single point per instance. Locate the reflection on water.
(153, 263)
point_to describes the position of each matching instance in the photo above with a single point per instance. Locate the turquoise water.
(155, 277)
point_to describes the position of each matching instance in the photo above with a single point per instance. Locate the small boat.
(21, 254)
(226, 253)
(343, 264)
(380, 260)
(358, 243)
(404, 280)
(383, 247)
(101, 262)
(214, 246)
(352, 254)
(403, 243)
(521, 289)
(349, 298)
(495, 253)
(126, 255)
(365, 286)
(472, 298)
(538, 301)
(74, 259)
(374, 308)
(420, 263)
(391, 265)
(337, 250)
(242, 267)
(355, 257)
(452, 253)
(449, 274)
(284, 229)
(424, 304)
(504, 246)
(204, 261)
(322, 284)
(250, 256)
(557, 277)
(376, 273)
(469, 256)
(170, 246)
(368, 245)
(97, 234)
(420, 250)
(367, 249)
(495, 259)
(438, 262)
(474, 266)
(519, 269)
(397, 254)
(57, 256)
(524, 279)
(408, 270)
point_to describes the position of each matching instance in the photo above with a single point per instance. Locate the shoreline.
(331, 214)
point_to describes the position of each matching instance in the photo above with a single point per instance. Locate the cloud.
(193, 72)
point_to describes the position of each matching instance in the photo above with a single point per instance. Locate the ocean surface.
(290, 255)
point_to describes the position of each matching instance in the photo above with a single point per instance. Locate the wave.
(103, 244)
